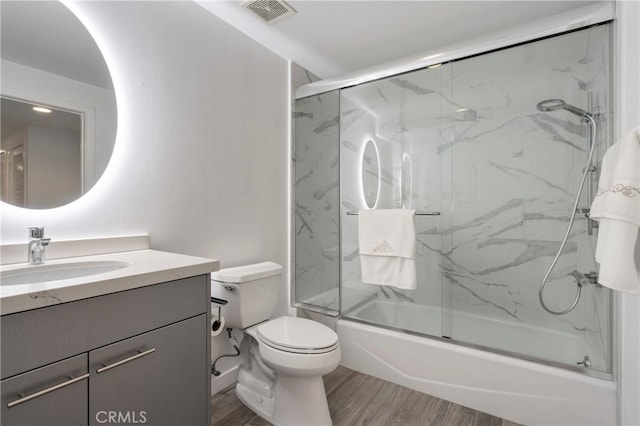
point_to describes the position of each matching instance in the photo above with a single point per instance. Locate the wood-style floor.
(358, 399)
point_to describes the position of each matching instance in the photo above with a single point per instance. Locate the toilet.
(283, 359)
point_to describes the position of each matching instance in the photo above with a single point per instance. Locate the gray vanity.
(136, 351)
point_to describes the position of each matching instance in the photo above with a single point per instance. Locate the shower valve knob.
(586, 361)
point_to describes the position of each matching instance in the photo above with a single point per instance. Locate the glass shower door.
(392, 131)
(515, 173)
(317, 201)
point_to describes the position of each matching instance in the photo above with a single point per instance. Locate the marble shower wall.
(515, 174)
(504, 175)
(464, 139)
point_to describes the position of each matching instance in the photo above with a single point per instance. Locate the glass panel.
(515, 174)
(316, 187)
(400, 118)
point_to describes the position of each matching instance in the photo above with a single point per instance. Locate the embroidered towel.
(617, 207)
(387, 240)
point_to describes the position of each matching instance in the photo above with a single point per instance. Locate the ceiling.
(328, 38)
(334, 38)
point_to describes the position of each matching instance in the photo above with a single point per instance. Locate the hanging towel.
(387, 240)
(617, 207)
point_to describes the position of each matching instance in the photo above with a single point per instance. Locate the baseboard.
(224, 380)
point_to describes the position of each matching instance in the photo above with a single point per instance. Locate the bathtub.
(522, 391)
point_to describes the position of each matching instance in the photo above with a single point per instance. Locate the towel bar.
(417, 213)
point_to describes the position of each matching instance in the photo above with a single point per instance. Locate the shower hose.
(592, 140)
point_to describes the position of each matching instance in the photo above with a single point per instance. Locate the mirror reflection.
(49, 59)
(406, 182)
(41, 154)
(370, 174)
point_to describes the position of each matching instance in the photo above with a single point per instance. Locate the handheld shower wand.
(554, 105)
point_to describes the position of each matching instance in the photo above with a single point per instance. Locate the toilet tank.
(251, 292)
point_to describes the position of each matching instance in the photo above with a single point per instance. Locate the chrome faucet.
(37, 244)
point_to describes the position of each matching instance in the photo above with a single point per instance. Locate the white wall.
(628, 90)
(201, 158)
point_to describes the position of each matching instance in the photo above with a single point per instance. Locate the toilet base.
(296, 401)
(300, 401)
(259, 404)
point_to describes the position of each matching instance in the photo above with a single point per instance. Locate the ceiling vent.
(271, 11)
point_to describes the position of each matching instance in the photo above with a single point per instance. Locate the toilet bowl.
(282, 359)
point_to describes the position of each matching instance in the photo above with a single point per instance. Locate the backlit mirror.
(50, 61)
(370, 174)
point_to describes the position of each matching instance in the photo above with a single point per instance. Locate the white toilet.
(283, 359)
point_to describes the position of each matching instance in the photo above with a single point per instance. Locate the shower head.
(556, 104)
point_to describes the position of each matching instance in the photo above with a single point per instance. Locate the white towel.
(617, 208)
(387, 240)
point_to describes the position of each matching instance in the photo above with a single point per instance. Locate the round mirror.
(370, 174)
(58, 107)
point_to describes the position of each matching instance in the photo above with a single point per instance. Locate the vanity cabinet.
(155, 378)
(54, 395)
(137, 356)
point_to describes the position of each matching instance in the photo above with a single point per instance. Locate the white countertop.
(146, 267)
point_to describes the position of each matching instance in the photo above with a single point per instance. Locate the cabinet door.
(158, 378)
(56, 394)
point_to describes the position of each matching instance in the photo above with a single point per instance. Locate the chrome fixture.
(37, 244)
(549, 105)
(554, 105)
(585, 279)
(585, 361)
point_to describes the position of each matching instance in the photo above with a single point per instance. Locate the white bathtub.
(544, 343)
(521, 391)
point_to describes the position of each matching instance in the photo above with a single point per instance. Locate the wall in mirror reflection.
(41, 155)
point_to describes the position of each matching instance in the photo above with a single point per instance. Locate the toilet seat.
(297, 335)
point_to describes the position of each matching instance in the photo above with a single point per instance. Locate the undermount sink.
(33, 274)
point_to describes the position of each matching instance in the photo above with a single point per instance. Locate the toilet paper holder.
(219, 303)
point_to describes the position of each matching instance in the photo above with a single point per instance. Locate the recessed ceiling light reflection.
(42, 109)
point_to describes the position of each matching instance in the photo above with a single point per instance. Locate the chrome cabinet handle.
(46, 391)
(124, 361)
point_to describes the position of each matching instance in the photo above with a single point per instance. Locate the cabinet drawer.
(38, 337)
(49, 396)
(158, 378)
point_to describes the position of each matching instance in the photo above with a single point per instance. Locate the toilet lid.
(297, 335)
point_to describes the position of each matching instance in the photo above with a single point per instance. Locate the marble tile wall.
(466, 139)
(503, 174)
(515, 174)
